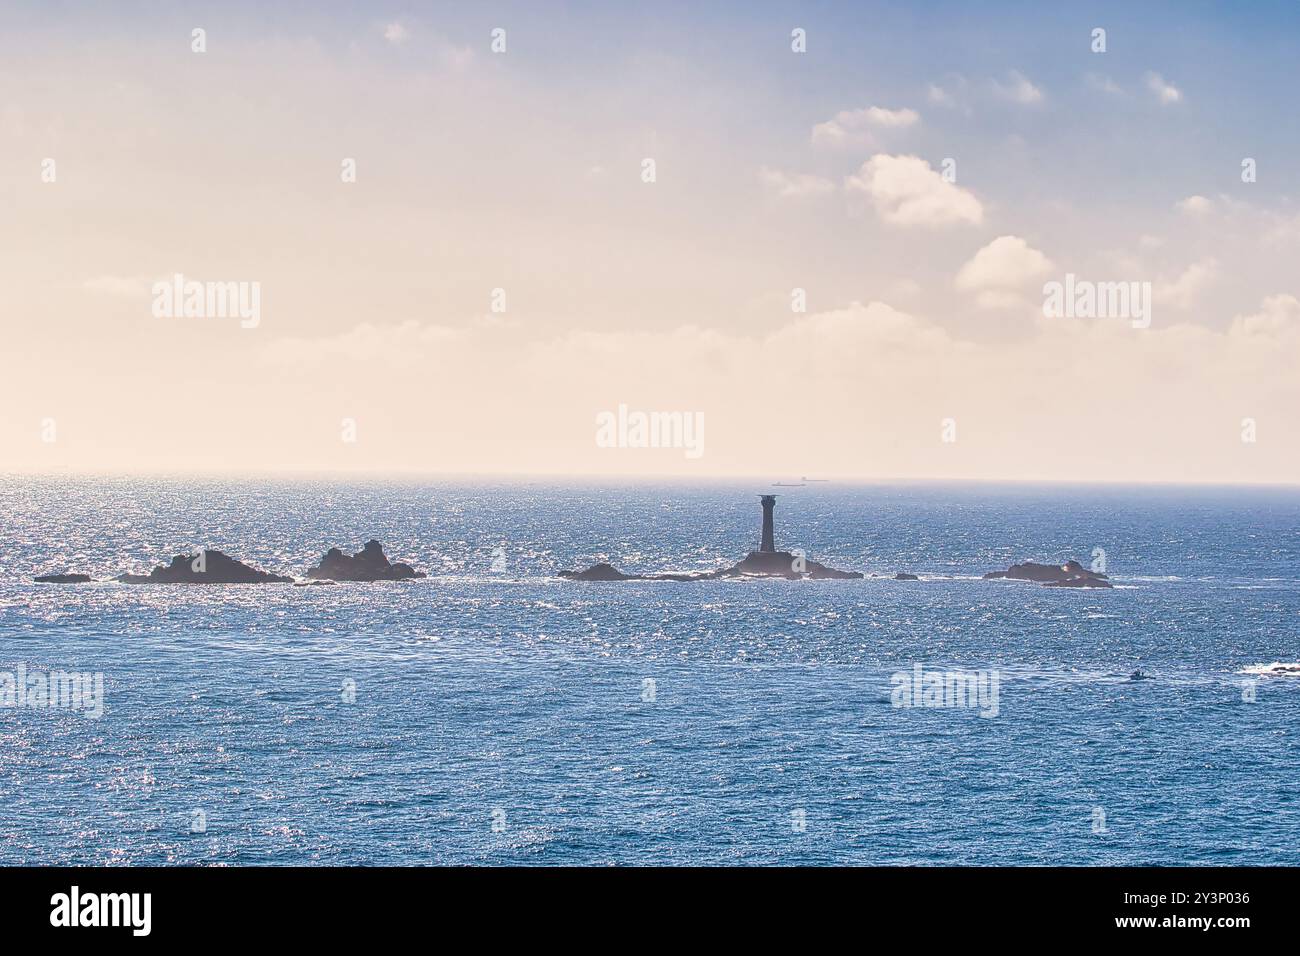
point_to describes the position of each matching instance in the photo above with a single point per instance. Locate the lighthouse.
(768, 502)
(766, 562)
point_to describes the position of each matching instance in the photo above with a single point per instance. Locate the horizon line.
(629, 478)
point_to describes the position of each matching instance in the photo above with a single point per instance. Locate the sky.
(832, 261)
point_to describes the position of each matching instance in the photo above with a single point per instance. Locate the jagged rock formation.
(600, 571)
(766, 562)
(62, 579)
(207, 567)
(1072, 574)
(757, 564)
(368, 564)
(786, 564)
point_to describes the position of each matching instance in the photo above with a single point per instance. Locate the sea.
(495, 713)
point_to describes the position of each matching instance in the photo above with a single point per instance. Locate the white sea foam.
(1274, 669)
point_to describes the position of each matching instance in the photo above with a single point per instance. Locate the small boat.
(787, 484)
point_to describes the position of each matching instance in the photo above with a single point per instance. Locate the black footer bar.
(333, 906)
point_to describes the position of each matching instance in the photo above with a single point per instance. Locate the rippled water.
(507, 716)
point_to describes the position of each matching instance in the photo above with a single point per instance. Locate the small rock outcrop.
(62, 579)
(757, 564)
(905, 576)
(368, 564)
(601, 571)
(207, 567)
(1275, 668)
(785, 564)
(1072, 574)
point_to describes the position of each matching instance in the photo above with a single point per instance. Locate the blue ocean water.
(502, 715)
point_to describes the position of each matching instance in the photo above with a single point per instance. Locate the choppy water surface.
(508, 716)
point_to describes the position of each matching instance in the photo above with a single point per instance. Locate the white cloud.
(1278, 317)
(445, 53)
(1019, 89)
(999, 273)
(856, 126)
(401, 344)
(1186, 290)
(455, 58)
(1165, 92)
(939, 96)
(879, 371)
(875, 324)
(1194, 205)
(1281, 228)
(878, 116)
(952, 92)
(124, 286)
(904, 288)
(794, 185)
(1104, 84)
(907, 192)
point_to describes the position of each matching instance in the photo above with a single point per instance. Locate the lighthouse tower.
(768, 502)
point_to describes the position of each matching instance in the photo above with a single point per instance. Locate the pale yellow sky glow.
(381, 343)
